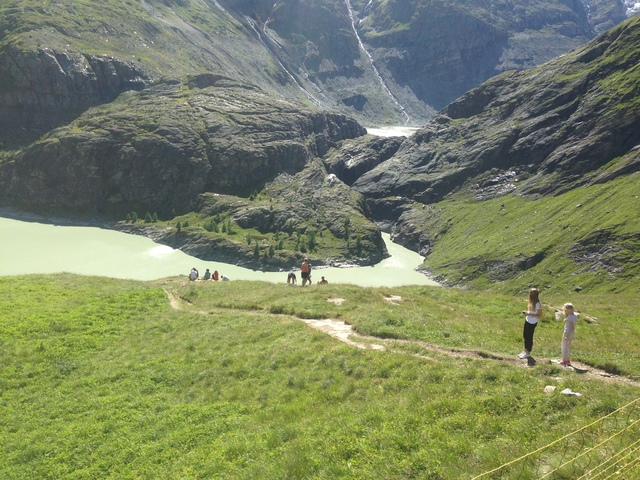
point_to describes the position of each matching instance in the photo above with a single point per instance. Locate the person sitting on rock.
(216, 275)
(193, 275)
(207, 275)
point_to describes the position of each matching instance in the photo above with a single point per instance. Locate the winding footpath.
(347, 334)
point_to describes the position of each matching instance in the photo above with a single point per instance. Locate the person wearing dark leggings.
(532, 316)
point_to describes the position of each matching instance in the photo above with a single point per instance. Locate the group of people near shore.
(215, 276)
(305, 274)
(533, 315)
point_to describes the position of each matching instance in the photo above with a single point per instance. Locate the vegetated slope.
(102, 378)
(177, 148)
(59, 58)
(549, 139)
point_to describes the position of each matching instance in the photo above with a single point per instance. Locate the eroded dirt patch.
(345, 333)
(337, 301)
(342, 332)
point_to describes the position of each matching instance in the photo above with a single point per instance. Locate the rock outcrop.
(549, 129)
(160, 148)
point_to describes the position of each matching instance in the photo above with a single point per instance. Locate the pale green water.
(30, 247)
(392, 131)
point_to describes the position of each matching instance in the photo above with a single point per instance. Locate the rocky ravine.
(552, 128)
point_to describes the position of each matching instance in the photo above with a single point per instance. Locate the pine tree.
(312, 239)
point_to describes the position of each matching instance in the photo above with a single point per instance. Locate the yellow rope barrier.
(554, 442)
(591, 472)
(628, 467)
(587, 451)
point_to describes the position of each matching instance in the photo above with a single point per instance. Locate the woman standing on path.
(531, 321)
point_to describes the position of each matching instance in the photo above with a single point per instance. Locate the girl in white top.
(570, 320)
(531, 321)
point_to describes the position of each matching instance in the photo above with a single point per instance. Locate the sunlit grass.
(474, 238)
(103, 378)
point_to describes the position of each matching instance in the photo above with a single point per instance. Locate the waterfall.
(633, 7)
(311, 98)
(381, 81)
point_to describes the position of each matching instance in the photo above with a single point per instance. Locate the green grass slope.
(585, 238)
(165, 36)
(102, 378)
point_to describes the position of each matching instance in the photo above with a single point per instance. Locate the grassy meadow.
(103, 378)
(586, 237)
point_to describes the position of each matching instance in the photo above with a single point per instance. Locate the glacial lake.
(392, 131)
(40, 248)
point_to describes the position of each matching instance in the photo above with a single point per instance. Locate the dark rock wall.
(42, 89)
(160, 148)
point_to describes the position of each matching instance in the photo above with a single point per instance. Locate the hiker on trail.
(207, 275)
(570, 320)
(323, 281)
(216, 275)
(193, 275)
(291, 278)
(532, 315)
(305, 272)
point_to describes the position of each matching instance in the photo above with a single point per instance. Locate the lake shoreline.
(45, 244)
(20, 215)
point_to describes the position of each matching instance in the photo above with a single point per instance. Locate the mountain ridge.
(240, 164)
(359, 59)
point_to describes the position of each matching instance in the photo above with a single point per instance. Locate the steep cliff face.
(441, 49)
(43, 89)
(554, 126)
(381, 62)
(158, 149)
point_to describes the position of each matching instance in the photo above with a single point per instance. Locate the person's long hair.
(534, 295)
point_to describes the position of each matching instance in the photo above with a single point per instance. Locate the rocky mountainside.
(565, 127)
(552, 127)
(224, 125)
(379, 62)
(203, 148)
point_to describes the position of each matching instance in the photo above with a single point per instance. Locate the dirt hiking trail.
(348, 334)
